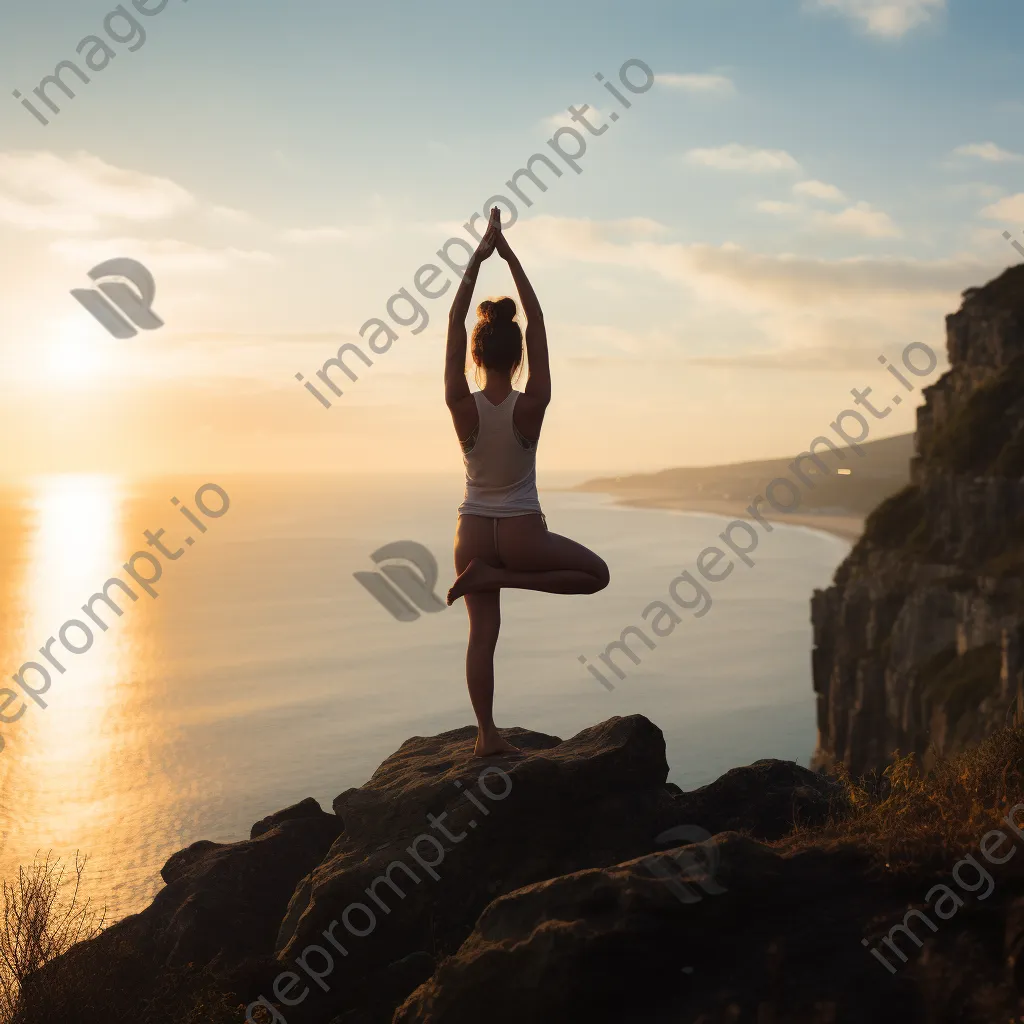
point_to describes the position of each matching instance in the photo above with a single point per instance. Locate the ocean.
(264, 672)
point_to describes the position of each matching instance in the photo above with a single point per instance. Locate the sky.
(797, 188)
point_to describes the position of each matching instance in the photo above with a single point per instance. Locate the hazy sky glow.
(807, 184)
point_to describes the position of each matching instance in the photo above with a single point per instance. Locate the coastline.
(845, 525)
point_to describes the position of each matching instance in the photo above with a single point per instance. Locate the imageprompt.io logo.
(134, 305)
(399, 587)
(699, 870)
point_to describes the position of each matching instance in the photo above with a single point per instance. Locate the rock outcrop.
(781, 942)
(400, 873)
(569, 884)
(918, 643)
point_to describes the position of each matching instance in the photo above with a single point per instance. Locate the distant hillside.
(883, 470)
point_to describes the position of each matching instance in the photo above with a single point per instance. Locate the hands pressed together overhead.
(493, 238)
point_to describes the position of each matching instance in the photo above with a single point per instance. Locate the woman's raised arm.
(538, 383)
(455, 386)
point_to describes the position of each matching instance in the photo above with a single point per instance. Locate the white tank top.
(501, 475)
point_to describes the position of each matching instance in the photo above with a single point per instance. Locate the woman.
(502, 539)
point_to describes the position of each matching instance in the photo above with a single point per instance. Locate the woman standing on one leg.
(502, 539)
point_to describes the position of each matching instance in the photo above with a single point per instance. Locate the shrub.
(43, 917)
(985, 436)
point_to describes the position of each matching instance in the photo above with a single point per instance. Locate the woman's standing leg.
(484, 625)
(475, 539)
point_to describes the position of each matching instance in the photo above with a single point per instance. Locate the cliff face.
(919, 642)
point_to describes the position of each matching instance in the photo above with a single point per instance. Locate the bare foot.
(493, 744)
(476, 576)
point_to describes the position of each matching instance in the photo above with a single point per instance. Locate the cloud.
(993, 240)
(989, 152)
(796, 281)
(375, 230)
(735, 157)
(860, 219)
(732, 273)
(718, 85)
(825, 358)
(230, 216)
(633, 228)
(1009, 208)
(834, 354)
(80, 193)
(166, 254)
(595, 115)
(779, 209)
(569, 236)
(891, 19)
(819, 190)
(971, 190)
(797, 312)
(307, 236)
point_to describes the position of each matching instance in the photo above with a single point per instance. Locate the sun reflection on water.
(56, 786)
(74, 550)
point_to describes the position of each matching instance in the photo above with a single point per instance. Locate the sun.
(76, 353)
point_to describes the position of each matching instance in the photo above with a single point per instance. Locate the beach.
(847, 525)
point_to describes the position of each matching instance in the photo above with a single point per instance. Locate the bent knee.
(602, 576)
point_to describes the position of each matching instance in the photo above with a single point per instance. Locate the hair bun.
(495, 311)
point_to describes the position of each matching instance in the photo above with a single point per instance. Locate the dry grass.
(909, 821)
